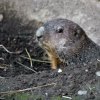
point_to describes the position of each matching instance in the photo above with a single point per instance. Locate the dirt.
(67, 83)
(16, 72)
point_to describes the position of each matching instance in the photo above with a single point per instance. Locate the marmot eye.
(59, 30)
(75, 34)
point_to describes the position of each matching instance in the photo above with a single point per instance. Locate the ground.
(20, 70)
(50, 83)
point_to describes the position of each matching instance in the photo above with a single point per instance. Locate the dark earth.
(17, 73)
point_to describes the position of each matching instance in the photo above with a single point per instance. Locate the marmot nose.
(40, 32)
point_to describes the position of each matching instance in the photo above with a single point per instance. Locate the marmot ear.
(59, 29)
(77, 33)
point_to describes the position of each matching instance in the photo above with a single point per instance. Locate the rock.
(85, 13)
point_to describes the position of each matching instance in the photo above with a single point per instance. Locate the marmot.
(64, 40)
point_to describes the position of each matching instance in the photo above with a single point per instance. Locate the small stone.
(82, 92)
(46, 94)
(84, 64)
(98, 73)
(59, 70)
(86, 70)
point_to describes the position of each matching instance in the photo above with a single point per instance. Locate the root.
(27, 89)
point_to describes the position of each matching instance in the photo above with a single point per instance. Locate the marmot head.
(63, 35)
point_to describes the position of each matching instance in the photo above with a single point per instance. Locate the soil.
(67, 83)
(17, 74)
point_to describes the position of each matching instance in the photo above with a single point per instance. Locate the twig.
(35, 60)
(27, 89)
(1, 58)
(31, 64)
(67, 97)
(90, 87)
(26, 67)
(3, 66)
(2, 46)
(2, 77)
(98, 60)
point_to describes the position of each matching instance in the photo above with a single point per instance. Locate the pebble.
(98, 73)
(59, 70)
(82, 92)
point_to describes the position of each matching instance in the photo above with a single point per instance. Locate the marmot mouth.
(52, 55)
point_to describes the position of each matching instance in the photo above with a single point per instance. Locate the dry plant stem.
(27, 89)
(2, 67)
(53, 57)
(26, 67)
(35, 60)
(5, 65)
(2, 46)
(31, 64)
(67, 97)
(2, 77)
(1, 58)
